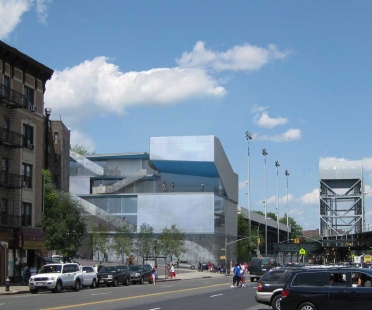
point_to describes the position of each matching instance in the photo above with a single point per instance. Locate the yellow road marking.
(131, 297)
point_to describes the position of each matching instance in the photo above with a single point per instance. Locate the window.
(337, 279)
(26, 214)
(6, 90)
(55, 137)
(28, 97)
(27, 174)
(28, 133)
(309, 279)
(4, 211)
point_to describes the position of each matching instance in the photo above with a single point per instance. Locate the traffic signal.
(296, 240)
(258, 240)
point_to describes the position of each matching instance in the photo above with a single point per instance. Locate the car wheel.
(142, 280)
(94, 284)
(76, 287)
(192, 267)
(57, 288)
(307, 306)
(126, 281)
(252, 279)
(275, 303)
(34, 291)
(115, 282)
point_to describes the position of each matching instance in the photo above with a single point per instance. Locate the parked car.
(340, 288)
(204, 266)
(183, 264)
(140, 273)
(113, 275)
(270, 286)
(259, 265)
(55, 277)
(90, 277)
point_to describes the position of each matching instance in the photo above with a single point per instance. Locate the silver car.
(183, 264)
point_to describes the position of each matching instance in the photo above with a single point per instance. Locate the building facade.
(22, 87)
(183, 181)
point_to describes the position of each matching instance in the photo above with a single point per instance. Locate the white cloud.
(243, 184)
(282, 200)
(80, 138)
(42, 10)
(266, 121)
(98, 86)
(311, 198)
(258, 108)
(242, 57)
(10, 14)
(289, 135)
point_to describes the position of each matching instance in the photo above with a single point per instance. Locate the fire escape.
(10, 141)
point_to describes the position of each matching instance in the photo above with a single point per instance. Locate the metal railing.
(12, 97)
(12, 180)
(7, 220)
(11, 137)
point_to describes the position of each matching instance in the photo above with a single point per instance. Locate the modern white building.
(185, 181)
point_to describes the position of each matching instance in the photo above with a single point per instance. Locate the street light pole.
(248, 136)
(277, 196)
(264, 153)
(258, 233)
(287, 174)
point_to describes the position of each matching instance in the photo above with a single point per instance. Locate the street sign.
(302, 251)
(222, 257)
(223, 249)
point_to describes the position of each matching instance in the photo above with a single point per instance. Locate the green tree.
(271, 215)
(99, 239)
(296, 230)
(145, 239)
(244, 248)
(122, 242)
(171, 241)
(80, 149)
(62, 221)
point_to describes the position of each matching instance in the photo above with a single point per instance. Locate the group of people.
(164, 186)
(238, 278)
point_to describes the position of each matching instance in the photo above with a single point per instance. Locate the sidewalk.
(183, 275)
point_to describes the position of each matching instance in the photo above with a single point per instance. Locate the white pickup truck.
(89, 276)
(56, 277)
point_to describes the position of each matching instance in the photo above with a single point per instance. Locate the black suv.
(113, 275)
(340, 288)
(140, 273)
(259, 265)
(270, 286)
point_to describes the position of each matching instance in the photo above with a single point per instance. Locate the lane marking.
(216, 295)
(155, 309)
(101, 294)
(131, 297)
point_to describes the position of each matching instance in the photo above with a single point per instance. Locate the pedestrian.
(202, 187)
(200, 267)
(236, 278)
(105, 257)
(178, 262)
(172, 272)
(172, 187)
(164, 187)
(25, 273)
(154, 274)
(99, 267)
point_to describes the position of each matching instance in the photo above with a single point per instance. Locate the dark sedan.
(113, 275)
(140, 273)
(340, 288)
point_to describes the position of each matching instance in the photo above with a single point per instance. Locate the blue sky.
(296, 74)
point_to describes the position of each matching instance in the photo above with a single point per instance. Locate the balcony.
(11, 97)
(7, 220)
(10, 180)
(11, 138)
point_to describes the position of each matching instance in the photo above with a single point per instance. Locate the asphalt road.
(203, 294)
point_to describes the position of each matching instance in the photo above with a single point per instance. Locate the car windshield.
(108, 269)
(135, 268)
(51, 269)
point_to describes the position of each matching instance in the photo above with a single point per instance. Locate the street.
(212, 293)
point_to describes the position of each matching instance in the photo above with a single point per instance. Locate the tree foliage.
(244, 248)
(145, 239)
(171, 241)
(80, 149)
(122, 242)
(99, 239)
(62, 221)
(296, 229)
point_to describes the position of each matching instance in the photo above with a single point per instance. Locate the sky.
(295, 74)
